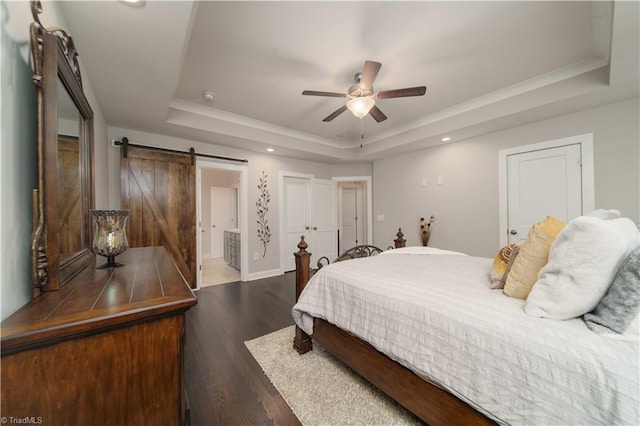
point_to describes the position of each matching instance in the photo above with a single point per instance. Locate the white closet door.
(296, 222)
(324, 220)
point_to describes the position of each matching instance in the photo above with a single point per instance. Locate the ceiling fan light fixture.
(361, 98)
(361, 106)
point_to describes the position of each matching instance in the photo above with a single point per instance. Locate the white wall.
(258, 163)
(19, 171)
(18, 150)
(466, 204)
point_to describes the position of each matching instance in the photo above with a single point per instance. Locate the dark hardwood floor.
(225, 384)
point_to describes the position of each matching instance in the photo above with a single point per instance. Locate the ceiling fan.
(362, 98)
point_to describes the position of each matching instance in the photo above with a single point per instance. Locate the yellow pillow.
(499, 268)
(533, 255)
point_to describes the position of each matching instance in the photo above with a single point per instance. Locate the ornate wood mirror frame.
(61, 240)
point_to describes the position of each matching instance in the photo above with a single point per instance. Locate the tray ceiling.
(486, 65)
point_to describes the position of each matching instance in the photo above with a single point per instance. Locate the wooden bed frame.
(426, 400)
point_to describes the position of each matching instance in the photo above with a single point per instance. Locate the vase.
(110, 238)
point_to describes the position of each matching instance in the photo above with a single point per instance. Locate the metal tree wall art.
(262, 206)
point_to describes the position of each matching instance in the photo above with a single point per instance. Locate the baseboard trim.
(263, 274)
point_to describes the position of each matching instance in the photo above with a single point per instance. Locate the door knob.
(306, 227)
(315, 228)
(513, 232)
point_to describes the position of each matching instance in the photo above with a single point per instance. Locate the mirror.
(61, 241)
(69, 183)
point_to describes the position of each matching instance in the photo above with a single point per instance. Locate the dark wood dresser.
(106, 349)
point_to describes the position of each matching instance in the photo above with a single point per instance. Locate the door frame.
(202, 163)
(281, 176)
(588, 181)
(367, 180)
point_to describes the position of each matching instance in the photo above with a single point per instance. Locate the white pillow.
(583, 261)
(605, 214)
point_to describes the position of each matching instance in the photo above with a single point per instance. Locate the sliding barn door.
(159, 190)
(69, 204)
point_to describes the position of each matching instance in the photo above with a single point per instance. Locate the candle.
(109, 238)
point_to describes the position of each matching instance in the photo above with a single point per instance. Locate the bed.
(423, 326)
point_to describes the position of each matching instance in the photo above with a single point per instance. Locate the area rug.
(320, 389)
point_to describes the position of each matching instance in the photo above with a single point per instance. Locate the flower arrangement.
(425, 229)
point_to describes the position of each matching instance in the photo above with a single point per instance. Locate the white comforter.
(434, 313)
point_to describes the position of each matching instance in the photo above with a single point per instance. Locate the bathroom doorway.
(354, 212)
(220, 216)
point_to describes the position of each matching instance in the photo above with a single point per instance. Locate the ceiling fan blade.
(335, 113)
(401, 93)
(377, 114)
(331, 94)
(369, 73)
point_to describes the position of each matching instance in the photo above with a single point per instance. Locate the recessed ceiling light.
(270, 150)
(208, 96)
(446, 139)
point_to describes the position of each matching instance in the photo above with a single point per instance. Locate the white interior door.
(352, 217)
(222, 217)
(361, 236)
(295, 219)
(348, 228)
(324, 220)
(546, 182)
